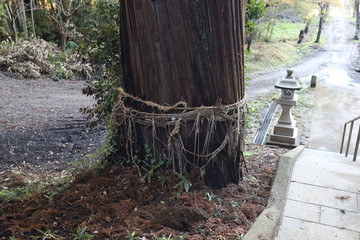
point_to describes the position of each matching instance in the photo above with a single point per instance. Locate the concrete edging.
(266, 224)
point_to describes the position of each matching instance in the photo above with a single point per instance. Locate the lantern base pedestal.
(285, 129)
(284, 135)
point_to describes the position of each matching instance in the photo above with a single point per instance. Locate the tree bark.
(32, 18)
(249, 41)
(301, 36)
(323, 8)
(23, 18)
(318, 36)
(307, 26)
(11, 18)
(357, 16)
(192, 51)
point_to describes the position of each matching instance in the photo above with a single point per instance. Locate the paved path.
(337, 94)
(323, 200)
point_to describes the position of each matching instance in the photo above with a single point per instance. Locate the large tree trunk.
(191, 51)
(357, 16)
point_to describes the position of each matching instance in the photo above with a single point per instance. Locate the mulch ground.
(42, 134)
(115, 203)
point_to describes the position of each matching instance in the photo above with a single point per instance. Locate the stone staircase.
(323, 200)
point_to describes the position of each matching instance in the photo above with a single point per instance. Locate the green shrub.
(44, 28)
(100, 43)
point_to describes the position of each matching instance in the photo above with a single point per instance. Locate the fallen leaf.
(81, 152)
(261, 236)
(270, 216)
(343, 197)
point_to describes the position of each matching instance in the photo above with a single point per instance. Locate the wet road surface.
(338, 93)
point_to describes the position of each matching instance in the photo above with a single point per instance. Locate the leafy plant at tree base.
(131, 236)
(148, 164)
(82, 235)
(48, 234)
(21, 192)
(235, 204)
(179, 237)
(209, 196)
(164, 179)
(239, 237)
(6, 195)
(251, 115)
(184, 184)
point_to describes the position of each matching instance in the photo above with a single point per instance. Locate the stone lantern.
(285, 131)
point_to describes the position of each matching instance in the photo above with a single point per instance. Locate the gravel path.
(41, 128)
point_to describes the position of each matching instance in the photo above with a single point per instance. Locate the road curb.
(266, 224)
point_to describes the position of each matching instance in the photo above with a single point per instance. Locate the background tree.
(32, 6)
(357, 17)
(273, 7)
(323, 7)
(185, 54)
(12, 9)
(4, 29)
(22, 14)
(45, 27)
(255, 9)
(61, 13)
(16, 15)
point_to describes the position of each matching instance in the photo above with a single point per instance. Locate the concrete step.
(294, 229)
(323, 200)
(327, 169)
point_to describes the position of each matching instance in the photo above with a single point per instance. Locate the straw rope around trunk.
(173, 120)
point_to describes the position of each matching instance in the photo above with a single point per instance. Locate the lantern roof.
(288, 82)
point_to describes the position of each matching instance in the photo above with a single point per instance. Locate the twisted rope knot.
(173, 118)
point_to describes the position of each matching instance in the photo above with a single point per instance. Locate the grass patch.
(282, 49)
(269, 55)
(352, 20)
(287, 31)
(20, 190)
